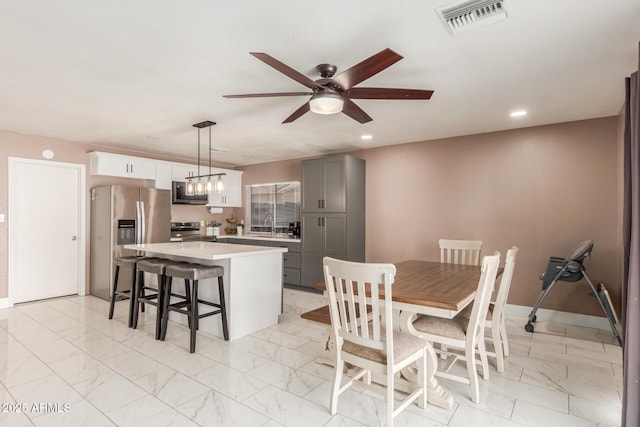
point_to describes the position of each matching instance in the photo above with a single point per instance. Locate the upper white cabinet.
(232, 195)
(164, 173)
(123, 166)
(179, 171)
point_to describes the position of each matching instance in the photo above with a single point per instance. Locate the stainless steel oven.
(188, 232)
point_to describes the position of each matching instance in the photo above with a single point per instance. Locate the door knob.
(74, 238)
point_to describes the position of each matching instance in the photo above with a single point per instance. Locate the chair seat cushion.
(404, 345)
(466, 312)
(155, 265)
(129, 261)
(455, 328)
(191, 271)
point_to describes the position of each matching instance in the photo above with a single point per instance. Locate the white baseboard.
(5, 303)
(564, 317)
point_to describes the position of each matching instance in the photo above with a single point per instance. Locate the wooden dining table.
(431, 288)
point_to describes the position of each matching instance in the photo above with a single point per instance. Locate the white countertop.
(205, 250)
(280, 238)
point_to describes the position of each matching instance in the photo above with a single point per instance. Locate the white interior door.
(45, 229)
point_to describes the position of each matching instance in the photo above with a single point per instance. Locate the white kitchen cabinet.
(124, 166)
(164, 172)
(163, 175)
(232, 195)
(179, 171)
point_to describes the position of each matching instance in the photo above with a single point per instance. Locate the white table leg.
(436, 395)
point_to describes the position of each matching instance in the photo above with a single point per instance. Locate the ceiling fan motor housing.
(326, 71)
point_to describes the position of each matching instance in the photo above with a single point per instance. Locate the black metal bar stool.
(146, 294)
(192, 273)
(119, 295)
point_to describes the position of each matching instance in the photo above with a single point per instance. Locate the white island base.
(252, 283)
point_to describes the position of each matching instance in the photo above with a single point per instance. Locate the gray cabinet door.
(324, 185)
(334, 198)
(312, 249)
(322, 235)
(311, 229)
(334, 229)
(312, 185)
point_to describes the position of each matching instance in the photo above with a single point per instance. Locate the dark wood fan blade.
(285, 69)
(356, 113)
(367, 68)
(265, 95)
(298, 113)
(387, 93)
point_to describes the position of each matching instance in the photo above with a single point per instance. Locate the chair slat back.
(483, 295)
(352, 286)
(460, 251)
(505, 283)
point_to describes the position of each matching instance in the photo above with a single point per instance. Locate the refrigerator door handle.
(143, 231)
(138, 224)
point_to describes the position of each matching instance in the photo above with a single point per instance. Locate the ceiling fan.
(333, 94)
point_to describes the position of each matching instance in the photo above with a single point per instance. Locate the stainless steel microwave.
(179, 196)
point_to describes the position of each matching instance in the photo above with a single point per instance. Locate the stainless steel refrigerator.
(123, 215)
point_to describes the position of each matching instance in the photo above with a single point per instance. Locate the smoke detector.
(469, 14)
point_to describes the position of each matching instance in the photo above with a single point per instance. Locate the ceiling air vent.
(467, 15)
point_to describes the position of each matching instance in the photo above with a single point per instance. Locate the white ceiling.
(138, 74)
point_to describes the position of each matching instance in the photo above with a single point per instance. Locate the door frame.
(82, 219)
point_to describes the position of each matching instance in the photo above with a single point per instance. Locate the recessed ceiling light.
(365, 137)
(519, 113)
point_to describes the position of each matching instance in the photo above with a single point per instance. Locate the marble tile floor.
(63, 363)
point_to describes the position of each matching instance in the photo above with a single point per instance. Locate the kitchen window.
(273, 206)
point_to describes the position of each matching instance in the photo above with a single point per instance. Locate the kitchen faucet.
(272, 222)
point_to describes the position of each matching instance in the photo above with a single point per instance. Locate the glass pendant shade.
(190, 190)
(219, 185)
(200, 187)
(209, 186)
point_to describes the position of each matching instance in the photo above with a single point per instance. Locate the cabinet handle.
(319, 204)
(322, 203)
(319, 221)
(323, 221)
(131, 167)
(127, 167)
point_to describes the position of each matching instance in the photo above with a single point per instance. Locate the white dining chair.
(495, 323)
(460, 251)
(370, 343)
(462, 335)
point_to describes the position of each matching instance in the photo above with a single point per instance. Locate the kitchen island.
(252, 282)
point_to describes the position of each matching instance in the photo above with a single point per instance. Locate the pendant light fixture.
(204, 184)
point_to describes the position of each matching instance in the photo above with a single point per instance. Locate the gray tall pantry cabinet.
(332, 213)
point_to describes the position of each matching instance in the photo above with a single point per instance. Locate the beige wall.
(544, 189)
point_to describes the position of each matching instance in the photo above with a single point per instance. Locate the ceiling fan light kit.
(331, 95)
(326, 102)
